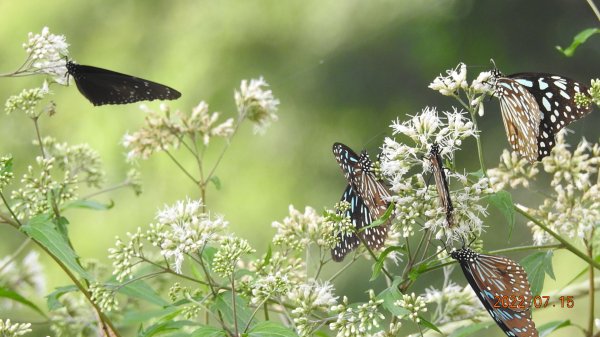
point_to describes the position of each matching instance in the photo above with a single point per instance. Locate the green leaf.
(142, 317)
(470, 329)
(42, 229)
(7, 293)
(140, 289)
(52, 298)
(537, 265)
(165, 326)
(224, 303)
(577, 40)
(90, 204)
(7, 167)
(383, 219)
(502, 200)
(427, 324)
(550, 327)
(216, 181)
(477, 174)
(415, 272)
(271, 329)
(390, 296)
(378, 266)
(208, 331)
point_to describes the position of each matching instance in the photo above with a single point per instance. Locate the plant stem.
(106, 190)
(559, 238)
(10, 210)
(592, 289)
(235, 323)
(594, 9)
(181, 167)
(39, 137)
(477, 138)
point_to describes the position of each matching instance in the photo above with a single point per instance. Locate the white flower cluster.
(202, 121)
(574, 208)
(8, 329)
(453, 303)
(27, 101)
(6, 174)
(357, 321)
(47, 54)
(308, 298)
(414, 304)
(408, 168)
(456, 80)
(103, 297)
(512, 171)
(299, 229)
(227, 257)
(256, 104)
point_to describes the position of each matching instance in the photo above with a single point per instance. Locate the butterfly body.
(368, 199)
(102, 86)
(493, 277)
(441, 183)
(535, 106)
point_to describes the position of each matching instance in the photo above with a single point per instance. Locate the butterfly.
(493, 277)
(368, 198)
(535, 106)
(441, 183)
(103, 86)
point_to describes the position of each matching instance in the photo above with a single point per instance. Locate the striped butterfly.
(496, 277)
(368, 199)
(535, 106)
(441, 183)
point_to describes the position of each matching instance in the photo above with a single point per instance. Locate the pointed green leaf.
(52, 299)
(164, 327)
(390, 296)
(43, 230)
(502, 200)
(140, 289)
(577, 40)
(271, 329)
(224, 303)
(537, 265)
(208, 331)
(427, 324)
(7, 293)
(383, 219)
(378, 266)
(550, 327)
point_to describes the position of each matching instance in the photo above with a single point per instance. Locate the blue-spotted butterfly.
(103, 86)
(493, 277)
(441, 183)
(535, 106)
(368, 199)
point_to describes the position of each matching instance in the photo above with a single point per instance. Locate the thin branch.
(594, 8)
(558, 238)
(181, 167)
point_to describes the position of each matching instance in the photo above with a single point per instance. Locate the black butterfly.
(102, 86)
(441, 183)
(493, 277)
(535, 106)
(368, 199)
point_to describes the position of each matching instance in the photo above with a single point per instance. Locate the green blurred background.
(343, 71)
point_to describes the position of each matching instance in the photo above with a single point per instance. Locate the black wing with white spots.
(103, 86)
(535, 106)
(555, 97)
(368, 199)
(496, 276)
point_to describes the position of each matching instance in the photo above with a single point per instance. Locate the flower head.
(414, 304)
(8, 329)
(27, 101)
(47, 53)
(357, 321)
(256, 103)
(448, 85)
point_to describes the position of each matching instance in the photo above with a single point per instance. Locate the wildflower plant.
(204, 280)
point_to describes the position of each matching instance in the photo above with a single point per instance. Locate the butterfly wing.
(441, 184)
(492, 276)
(521, 115)
(102, 86)
(348, 161)
(359, 216)
(554, 95)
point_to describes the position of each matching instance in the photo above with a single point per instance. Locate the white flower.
(449, 85)
(256, 104)
(299, 229)
(8, 329)
(454, 303)
(482, 83)
(413, 303)
(47, 53)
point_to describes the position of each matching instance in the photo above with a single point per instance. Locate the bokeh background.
(343, 71)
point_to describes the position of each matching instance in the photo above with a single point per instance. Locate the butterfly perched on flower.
(496, 277)
(103, 86)
(535, 106)
(441, 183)
(368, 198)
